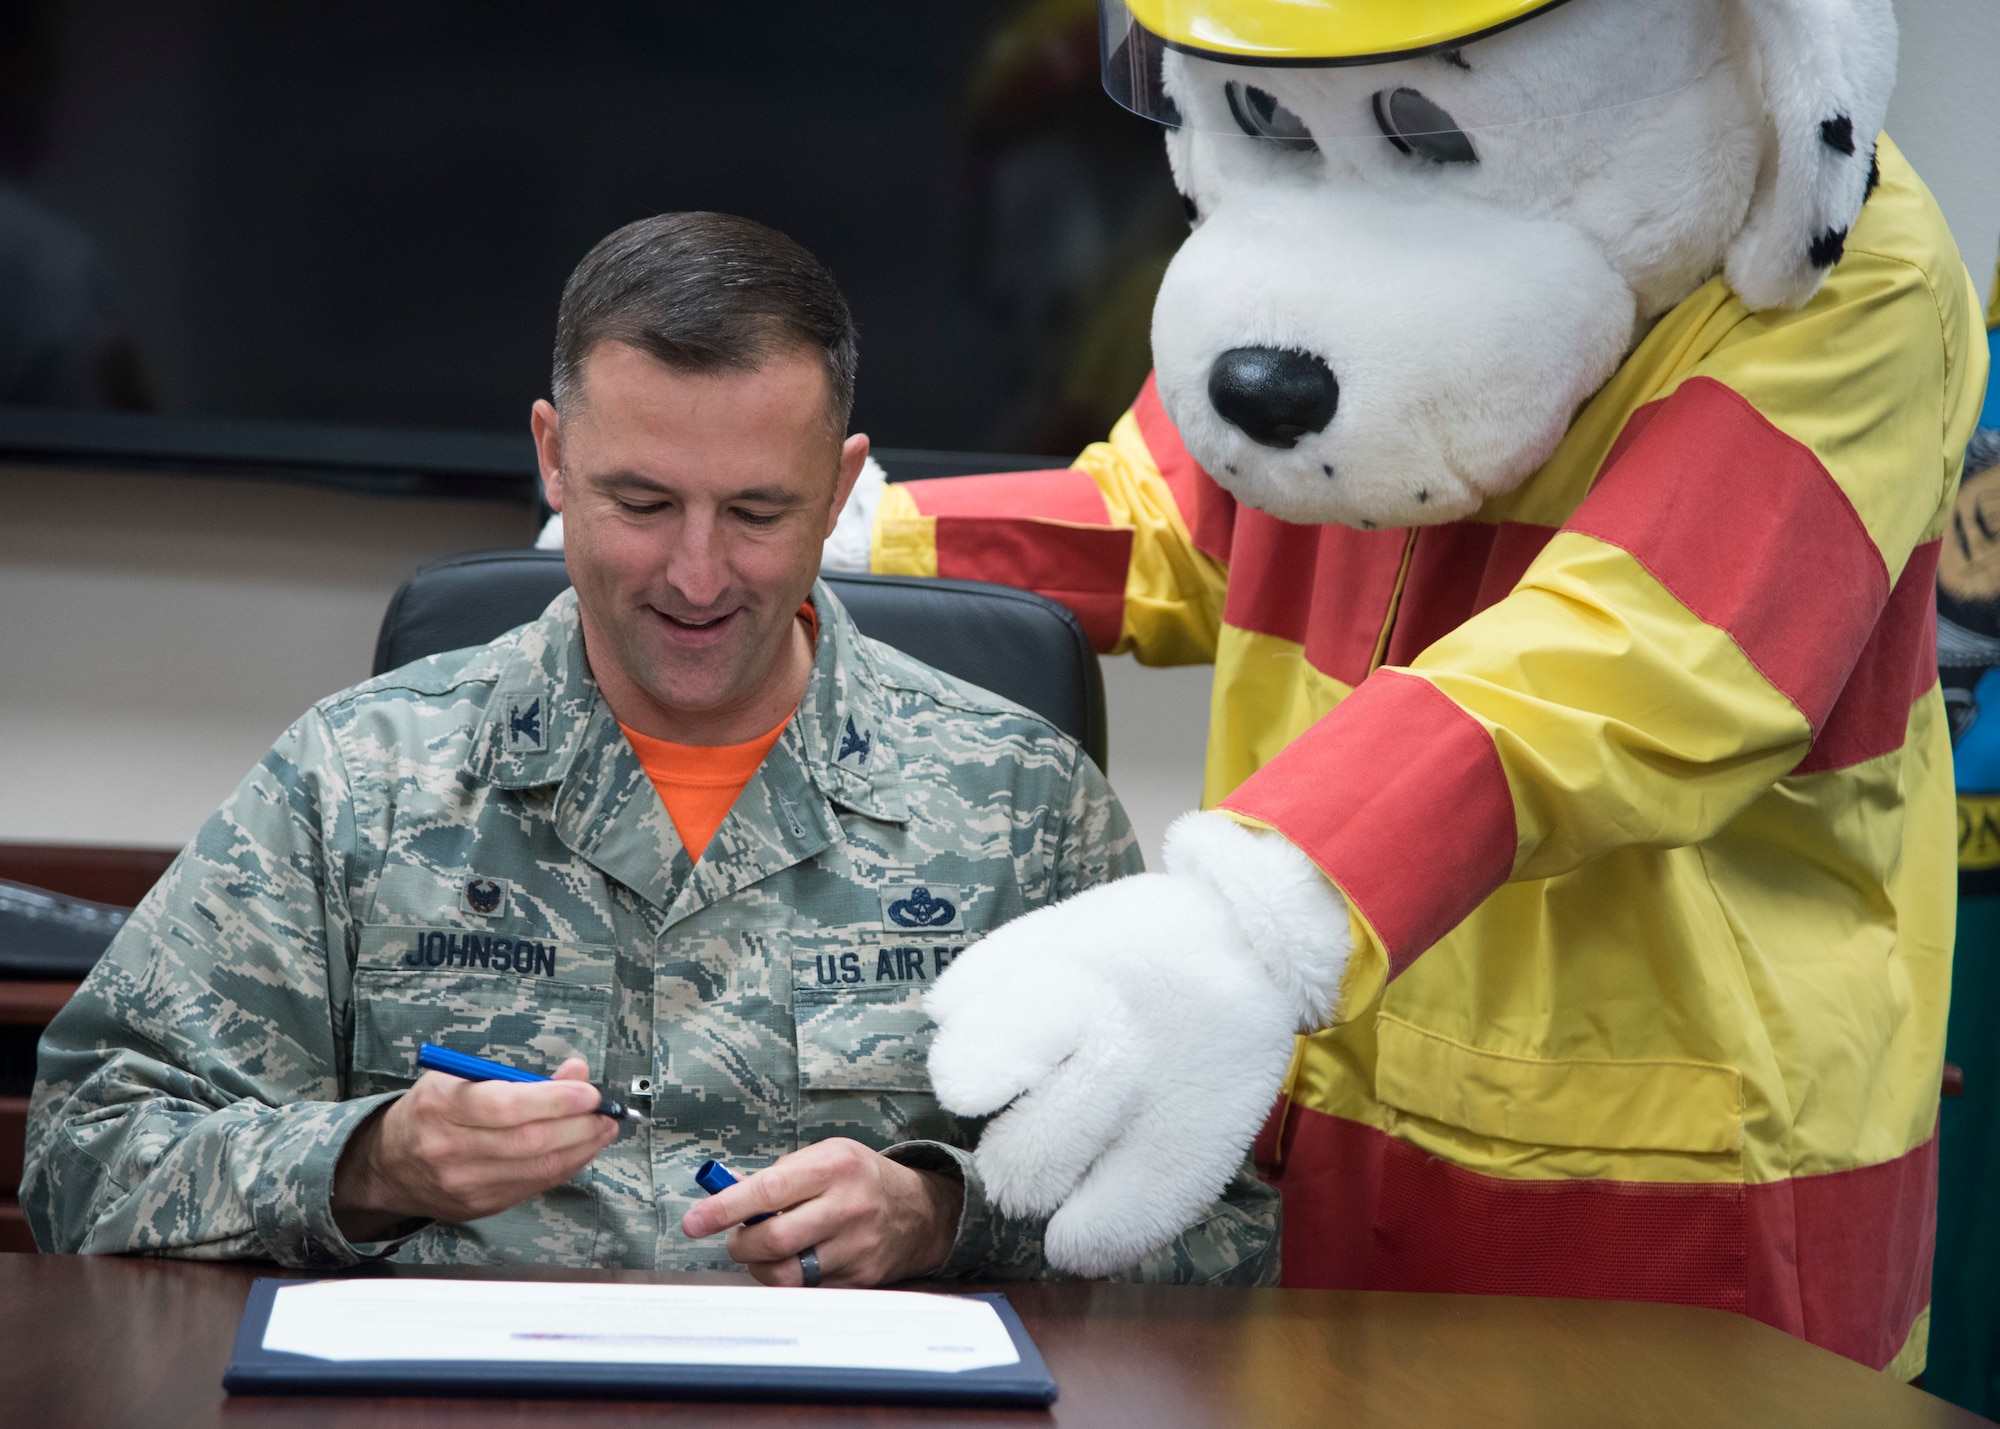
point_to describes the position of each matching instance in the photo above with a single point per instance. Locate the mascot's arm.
(1109, 537)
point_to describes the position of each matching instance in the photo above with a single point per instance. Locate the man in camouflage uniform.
(468, 851)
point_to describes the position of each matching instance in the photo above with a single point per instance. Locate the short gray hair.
(1984, 450)
(704, 293)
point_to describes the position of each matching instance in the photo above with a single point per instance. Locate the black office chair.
(51, 935)
(1017, 644)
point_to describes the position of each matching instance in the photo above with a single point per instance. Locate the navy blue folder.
(256, 1370)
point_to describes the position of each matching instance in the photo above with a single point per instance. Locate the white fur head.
(1363, 334)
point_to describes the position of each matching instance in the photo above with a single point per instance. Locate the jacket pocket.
(1675, 1106)
(529, 1023)
(863, 1069)
(867, 1039)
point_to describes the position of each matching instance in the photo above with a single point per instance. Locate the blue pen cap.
(714, 1177)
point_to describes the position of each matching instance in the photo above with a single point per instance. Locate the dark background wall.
(364, 211)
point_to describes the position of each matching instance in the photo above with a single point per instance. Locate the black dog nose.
(1274, 395)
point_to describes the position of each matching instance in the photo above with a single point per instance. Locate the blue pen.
(433, 1058)
(715, 1178)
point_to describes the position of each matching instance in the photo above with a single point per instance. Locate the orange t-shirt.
(700, 783)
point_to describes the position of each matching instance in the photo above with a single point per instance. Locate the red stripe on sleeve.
(1045, 531)
(1081, 566)
(1066, 495)
(1378, 778)
(1897, 667)
(1208, 510)
(1745, 527)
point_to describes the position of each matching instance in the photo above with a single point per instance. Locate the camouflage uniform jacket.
(466, 851)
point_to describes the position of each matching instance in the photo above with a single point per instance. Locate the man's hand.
(452, 1150)
(870, 1220)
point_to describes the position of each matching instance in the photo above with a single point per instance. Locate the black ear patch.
(1827, 248)
(1837, 133)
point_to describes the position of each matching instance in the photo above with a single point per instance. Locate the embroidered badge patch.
(525, 731)
(923, 907)
(486, 897)
(854, 742)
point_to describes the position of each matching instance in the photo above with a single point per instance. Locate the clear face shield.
(1307, 74)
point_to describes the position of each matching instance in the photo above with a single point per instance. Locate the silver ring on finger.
(809, 1266)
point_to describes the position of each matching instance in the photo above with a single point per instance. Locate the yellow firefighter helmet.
(1327, 31)
(1427, 75)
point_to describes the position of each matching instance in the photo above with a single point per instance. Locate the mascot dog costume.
(1557, 406)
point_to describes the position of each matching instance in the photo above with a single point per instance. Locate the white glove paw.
(1132, 1039)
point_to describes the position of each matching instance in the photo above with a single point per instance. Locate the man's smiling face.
(694, 507)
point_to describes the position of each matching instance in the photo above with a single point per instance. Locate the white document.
(579, 1323)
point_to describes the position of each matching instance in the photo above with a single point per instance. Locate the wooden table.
(88, 1341)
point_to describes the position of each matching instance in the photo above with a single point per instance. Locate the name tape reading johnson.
(480, 950)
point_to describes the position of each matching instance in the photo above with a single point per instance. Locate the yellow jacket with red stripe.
(1638, 785)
